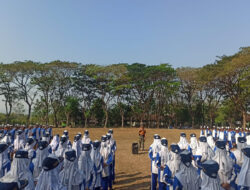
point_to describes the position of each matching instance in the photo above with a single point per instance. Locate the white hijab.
(209, 183)
(54, 143)
(20, 170)
(244, 175)
(225, 163)
(183, 143)
(86, 165)
(4, 159)
(38, 161)
(71, 176)
(49, 180)
(188, 177)
(174, 162)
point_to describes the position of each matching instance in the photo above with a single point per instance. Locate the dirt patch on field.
(132, 171)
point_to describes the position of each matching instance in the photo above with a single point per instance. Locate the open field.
(132, 171)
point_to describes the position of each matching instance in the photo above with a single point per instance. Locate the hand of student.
(162, 168)
(226, 186)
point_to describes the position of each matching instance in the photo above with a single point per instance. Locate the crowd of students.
(31, 158)
(218, 159)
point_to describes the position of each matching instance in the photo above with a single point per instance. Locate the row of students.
(56, 163)
(197, 165)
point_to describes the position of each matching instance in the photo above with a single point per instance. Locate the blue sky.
(179, 32)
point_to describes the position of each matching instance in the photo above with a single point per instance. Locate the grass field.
(132, 171)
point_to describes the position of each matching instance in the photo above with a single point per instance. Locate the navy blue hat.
(96, 144)
(65, 132)
(70, 155)
(9, 186)
(183, 135)
(63, 139)
(186, 156)
(110, 131)
(246, 151)
(86, 147)
(23, 183)
(30, 140)
(210, 168)
(86, 132)
(156, 136)
(203, 139)
(209, 134)
(19, 132)
(164, 142)
(77, 138)
(175, 148)
(3, 147)
(21, 154)
(220, 144)
(242, 139)
(42, 145)
(108, 136)
(50, 163)
(193, 135)
(104, 138)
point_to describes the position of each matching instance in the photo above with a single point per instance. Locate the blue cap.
(70, 155)
(42, 145)
(183, 135)
(175, 148)
(246, 151)
(77, 138)
(186, 156)
(203, 139)
(21, 154)
(242, 139)
(50, 163)
(86, 132)
(221, 144)
(156, 136)
(96, 144)
(210, 168)
(30, 140)
(104, 138)
(164, 142)
(86, 147)
(63, 139)
(193, 135)
(111, 131)
(9, 186)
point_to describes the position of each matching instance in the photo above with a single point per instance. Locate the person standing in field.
(142, 133)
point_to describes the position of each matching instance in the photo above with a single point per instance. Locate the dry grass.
(132, 171)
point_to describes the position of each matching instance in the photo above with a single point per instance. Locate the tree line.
(127, 94)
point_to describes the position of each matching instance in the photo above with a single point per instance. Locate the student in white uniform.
(85, 138)
(174, 159)
(193, 144)
(98, 165)
(20, 169)
(187, 177)
(77, 145)
(224, 161)
(164, 173)
(63, 146)
(49, 178)
(244, 176)
(209, 175)
(183, 143)
(86, 165)
(55, 143)
(4, 159)
(42, 152)
(154, 149)
(107, 160)
(71, 177)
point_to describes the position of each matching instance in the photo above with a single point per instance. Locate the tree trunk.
(86, 122)
(29, 113)
(122, 120)
(244, 119)
(106, 118)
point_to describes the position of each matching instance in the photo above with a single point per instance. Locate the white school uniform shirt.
(155, 148)
(244, 174)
